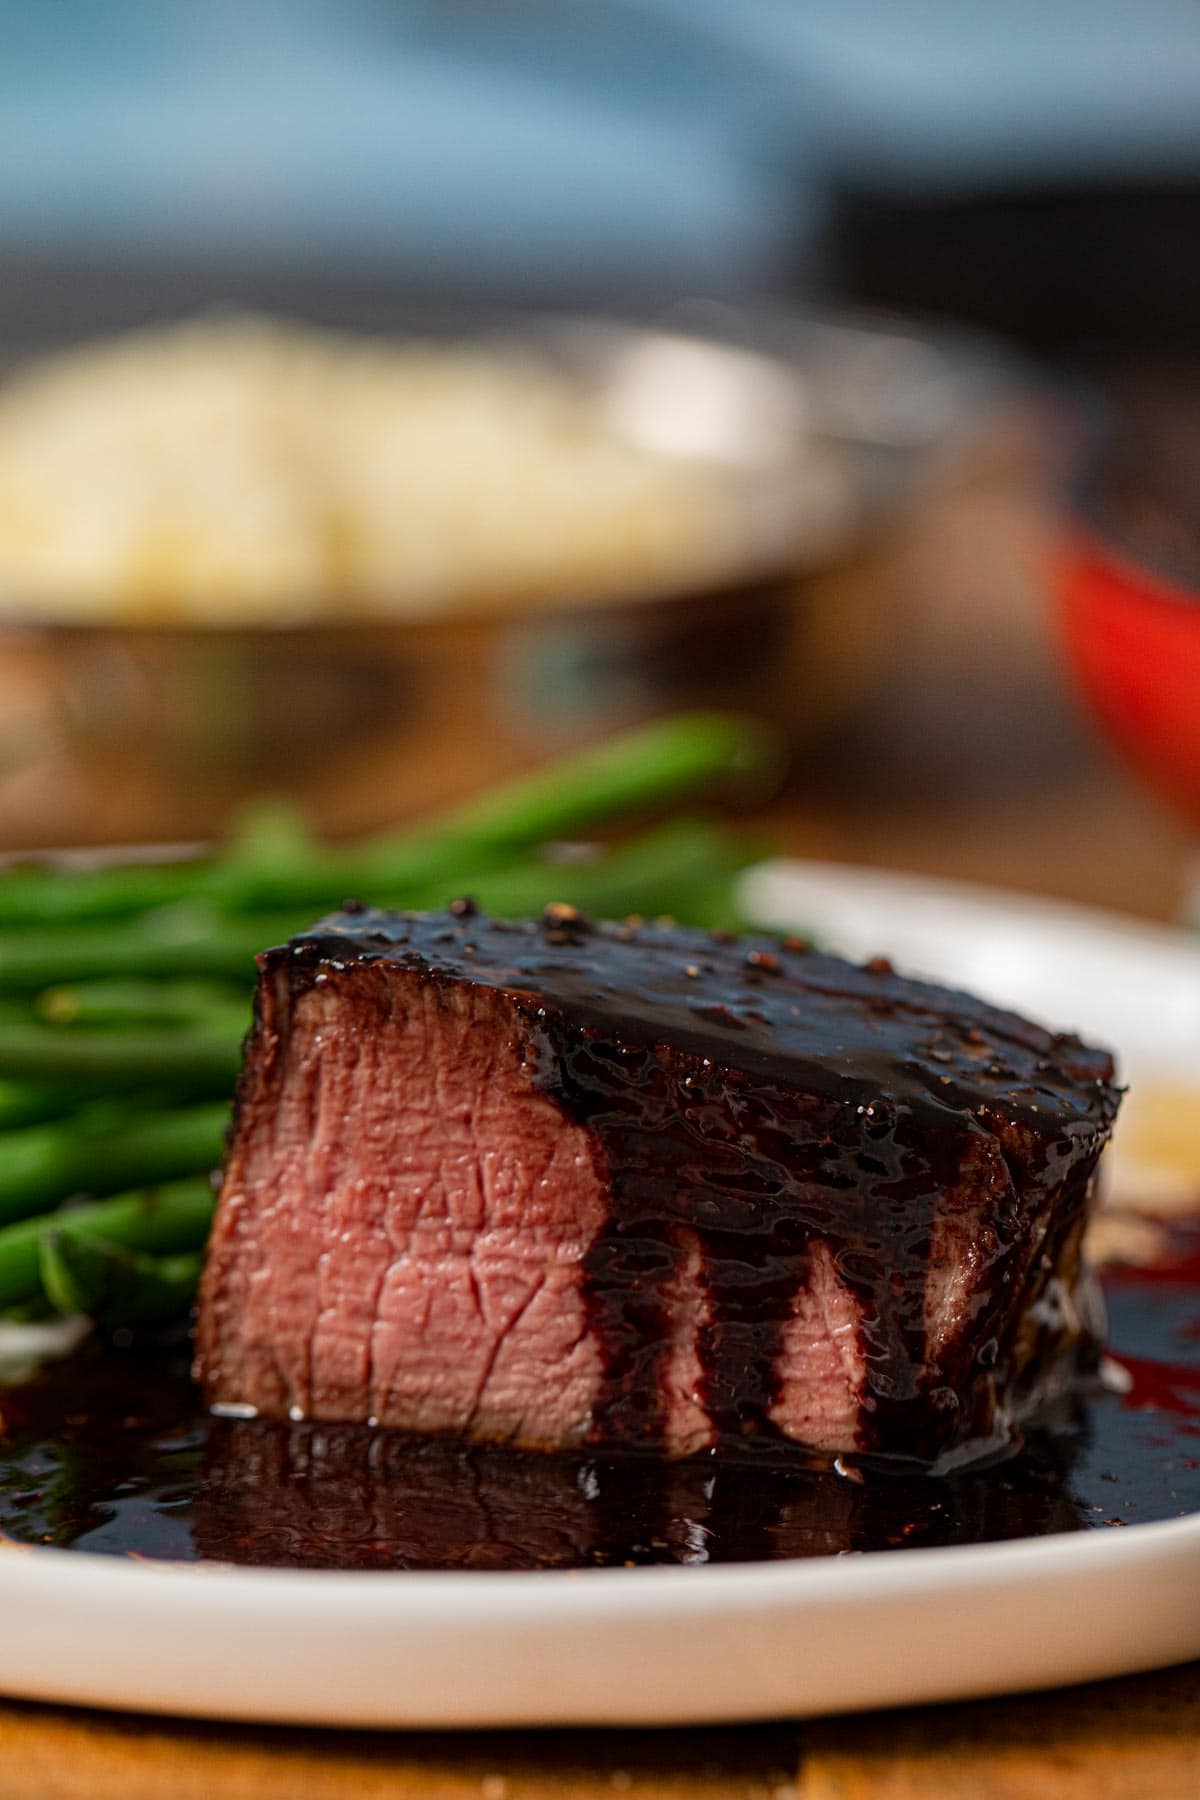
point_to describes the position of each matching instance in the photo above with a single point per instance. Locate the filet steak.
(552, 1183)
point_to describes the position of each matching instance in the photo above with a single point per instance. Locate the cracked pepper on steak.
(553, 1183)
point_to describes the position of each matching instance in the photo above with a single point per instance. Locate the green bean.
(205, 1057)
(133, 1000)
(651, 874)
(188, 940)
(104, 1150)
(638, 772)
(195, 940)
(113, 1286)
(30, 1102)
(172, 1217)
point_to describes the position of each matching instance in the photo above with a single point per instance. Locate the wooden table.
(1123, 1740)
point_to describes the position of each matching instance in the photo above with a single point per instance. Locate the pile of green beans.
(124, 990)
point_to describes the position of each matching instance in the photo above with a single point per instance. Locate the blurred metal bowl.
(826, 428)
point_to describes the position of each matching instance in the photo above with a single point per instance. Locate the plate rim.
(1007, 1559)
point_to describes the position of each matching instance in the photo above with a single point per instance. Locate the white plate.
(671, 1645)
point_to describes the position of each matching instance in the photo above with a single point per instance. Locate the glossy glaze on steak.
(551, 1183)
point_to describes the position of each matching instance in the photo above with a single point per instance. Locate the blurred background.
(506, 373)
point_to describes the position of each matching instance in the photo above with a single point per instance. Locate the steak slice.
(553, 1184)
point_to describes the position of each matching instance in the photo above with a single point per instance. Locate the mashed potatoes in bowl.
(240, 554)
(235, 470)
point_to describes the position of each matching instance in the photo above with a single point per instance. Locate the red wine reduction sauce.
(111, 1452)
